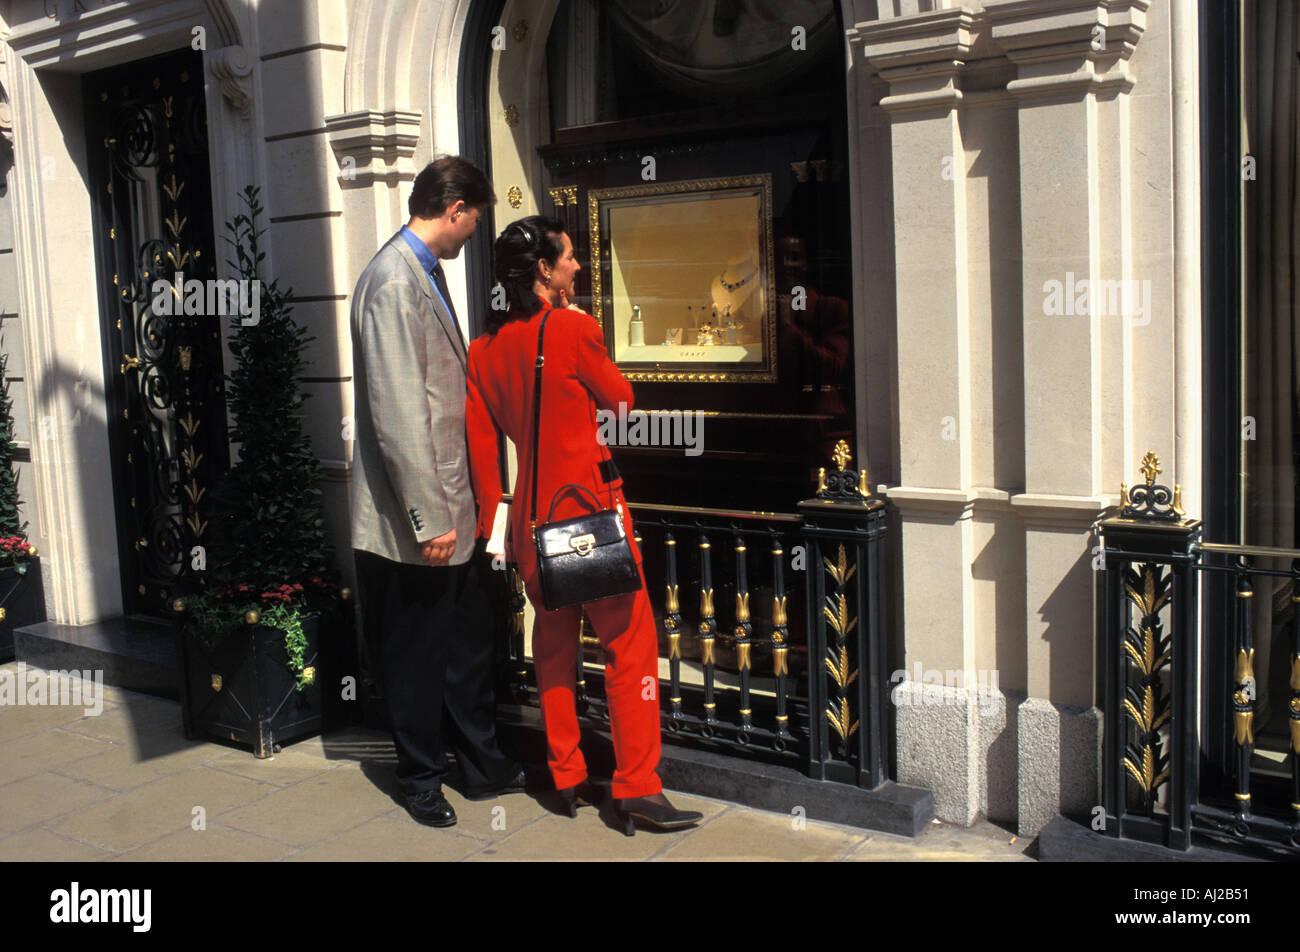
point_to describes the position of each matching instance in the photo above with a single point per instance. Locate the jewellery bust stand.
(734, 294)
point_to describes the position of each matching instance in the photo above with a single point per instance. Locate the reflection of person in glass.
(535, 264)
(813, 343)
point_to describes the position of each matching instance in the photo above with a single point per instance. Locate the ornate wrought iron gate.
(148, 157)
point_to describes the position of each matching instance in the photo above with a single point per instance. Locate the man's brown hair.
(447, 180)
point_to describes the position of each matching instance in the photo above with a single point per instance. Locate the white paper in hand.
(496, 543)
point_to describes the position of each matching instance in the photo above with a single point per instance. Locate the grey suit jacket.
(410, 467)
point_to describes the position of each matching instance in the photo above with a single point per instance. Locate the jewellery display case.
(682, 279)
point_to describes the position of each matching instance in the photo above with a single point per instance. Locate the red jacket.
(578, 379)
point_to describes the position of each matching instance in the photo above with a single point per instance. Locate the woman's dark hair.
(515, 255)
(446, 181)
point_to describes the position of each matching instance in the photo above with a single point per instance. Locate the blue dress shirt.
(428, 260)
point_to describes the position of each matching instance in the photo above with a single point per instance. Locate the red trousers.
(626, 629)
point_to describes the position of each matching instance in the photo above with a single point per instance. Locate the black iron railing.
(771, 630)
(1180, 762)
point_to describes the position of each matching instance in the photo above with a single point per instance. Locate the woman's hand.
(565, 302)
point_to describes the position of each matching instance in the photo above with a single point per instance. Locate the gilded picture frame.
(691, 262)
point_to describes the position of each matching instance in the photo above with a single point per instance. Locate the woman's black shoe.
(582, 795)
(656, 811)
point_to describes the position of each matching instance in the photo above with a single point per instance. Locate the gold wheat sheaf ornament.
(836, 612)
(1149, 590)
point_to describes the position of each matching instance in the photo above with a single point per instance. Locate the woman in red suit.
(535, 264)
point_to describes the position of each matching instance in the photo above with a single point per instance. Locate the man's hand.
(440, 550)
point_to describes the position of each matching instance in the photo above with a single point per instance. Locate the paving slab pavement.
(125, 785)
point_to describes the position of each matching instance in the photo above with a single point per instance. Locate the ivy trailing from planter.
(267, 551)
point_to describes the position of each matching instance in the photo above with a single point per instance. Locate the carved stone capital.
(920, 56)
(372, 145)
(232, 67)
(1067, 46)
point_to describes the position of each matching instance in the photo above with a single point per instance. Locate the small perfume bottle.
(636, 330)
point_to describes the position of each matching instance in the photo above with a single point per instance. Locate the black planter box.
(22, 597)
(241, 691)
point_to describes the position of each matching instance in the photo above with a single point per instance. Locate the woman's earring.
(548, 280)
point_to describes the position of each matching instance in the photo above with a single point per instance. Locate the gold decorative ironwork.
(194, 491)
(512, 115)
(1149, 589)
(674, 648)
(175, 223)
(189, 424)
(842, 623)
(1243, 715)
(706, 602)
(706, 646)
(1149, 500)
(174, 189)
(778, 611)
(178, 265)
(1146, 775)
(1150, 467)
(196, 524)
(742, 653)
(216, 682)
(742, 606)
(841, 454)
(191, 459)
(515, 196)
(840, 570)
(672, 598)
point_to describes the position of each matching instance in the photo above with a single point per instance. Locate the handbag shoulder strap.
(537, 415)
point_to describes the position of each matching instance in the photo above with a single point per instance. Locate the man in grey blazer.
(422, 582)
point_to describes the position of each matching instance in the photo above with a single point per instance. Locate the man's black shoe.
(431, 808)
(515, 784)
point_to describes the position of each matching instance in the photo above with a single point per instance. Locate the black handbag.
(584, 558)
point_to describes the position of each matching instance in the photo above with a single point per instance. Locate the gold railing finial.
(1150, 467)
(841, 454)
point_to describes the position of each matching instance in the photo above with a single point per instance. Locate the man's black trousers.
(432, 628)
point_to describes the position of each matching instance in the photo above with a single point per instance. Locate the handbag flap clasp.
(583, 544)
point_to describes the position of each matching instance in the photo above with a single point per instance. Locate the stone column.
(922, 59)
(1081, 306)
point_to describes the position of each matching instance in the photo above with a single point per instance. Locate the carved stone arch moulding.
(232, 67)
